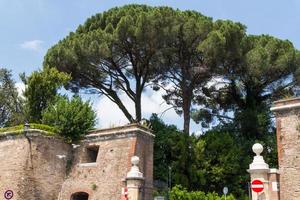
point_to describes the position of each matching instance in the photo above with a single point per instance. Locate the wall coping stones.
(31, 133)
(286, 104)
(130, 130)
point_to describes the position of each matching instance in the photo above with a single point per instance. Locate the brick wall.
(104, 179)
(37, 167)
(288, 139)
(29, 166)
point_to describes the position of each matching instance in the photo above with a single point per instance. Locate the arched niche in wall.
(80, 196)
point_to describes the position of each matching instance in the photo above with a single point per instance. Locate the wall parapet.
(29, 133)
(130, 130)
(286, 104)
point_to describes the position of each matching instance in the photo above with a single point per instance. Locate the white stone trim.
(284, 107)
(94, 164)
(274, 171)
(115, 131)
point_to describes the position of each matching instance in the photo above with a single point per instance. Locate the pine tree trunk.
(186, 112)
(138, 109)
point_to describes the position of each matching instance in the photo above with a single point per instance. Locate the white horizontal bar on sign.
(257, 186)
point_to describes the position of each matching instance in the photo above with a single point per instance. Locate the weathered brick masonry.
(38, 167)
(30, 167)
(105, 178)
(288, 140)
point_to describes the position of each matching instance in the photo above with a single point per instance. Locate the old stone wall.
(30, 166)
(104, 178)
(38, 167)
(288, 140)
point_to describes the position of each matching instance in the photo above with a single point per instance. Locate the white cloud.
(33, 45)
(20, 88)
(109, 114)
(217, 82)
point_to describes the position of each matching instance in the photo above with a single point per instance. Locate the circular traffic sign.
(257, 186)
(8, 194)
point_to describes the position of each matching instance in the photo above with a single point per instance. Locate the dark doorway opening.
(80, 196)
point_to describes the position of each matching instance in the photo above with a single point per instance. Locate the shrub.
(180, 193)
(71, 118)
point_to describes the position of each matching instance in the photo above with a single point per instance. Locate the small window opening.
(80, 196)
(92, 153)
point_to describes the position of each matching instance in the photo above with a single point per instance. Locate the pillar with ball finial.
(135, 180)
(259, 170)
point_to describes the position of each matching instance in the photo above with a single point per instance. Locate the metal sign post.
(225, 191)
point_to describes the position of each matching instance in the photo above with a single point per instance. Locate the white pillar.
(134, 180)
(258, 169)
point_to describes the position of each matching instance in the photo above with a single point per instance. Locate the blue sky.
(29, 27)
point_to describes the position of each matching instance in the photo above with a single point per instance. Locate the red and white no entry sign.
(257, 185)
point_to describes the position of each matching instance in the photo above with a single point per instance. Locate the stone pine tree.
(185, 67)
(114, 53)
(222, 50)
(11, 104)
(191, 57)
(254, 71)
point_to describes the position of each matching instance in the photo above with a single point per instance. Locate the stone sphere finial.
(135, 160)
(135, 171)
(257, 149)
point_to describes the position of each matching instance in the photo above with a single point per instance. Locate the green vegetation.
(94, 186)
(211, 71)
(179, 193)
(186, 54)
(72, 118)
(206, 162)
(41, 91)
(113, 52)
(11, 105)
(48, 130)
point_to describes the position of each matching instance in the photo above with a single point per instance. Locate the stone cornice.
(119, 132)
(286, 104)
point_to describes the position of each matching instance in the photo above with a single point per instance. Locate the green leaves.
(41, 90)
(180, 193)
(113, 53)
(11, 104)
(268, 58)
(72, 118)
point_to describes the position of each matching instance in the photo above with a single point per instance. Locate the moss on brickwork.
(16, 130)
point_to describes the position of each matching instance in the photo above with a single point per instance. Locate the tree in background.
(71, 118)
(41, 90)
(233, 77)
(253, 72)
(264, 69)
(114, 53)
(205, 163)
(170, 151)
(218, 158)
(185, 67)
(11, 104)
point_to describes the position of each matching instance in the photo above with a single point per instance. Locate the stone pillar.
(135, 181)
(274, 184)
(287, 114)
(258, 169)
